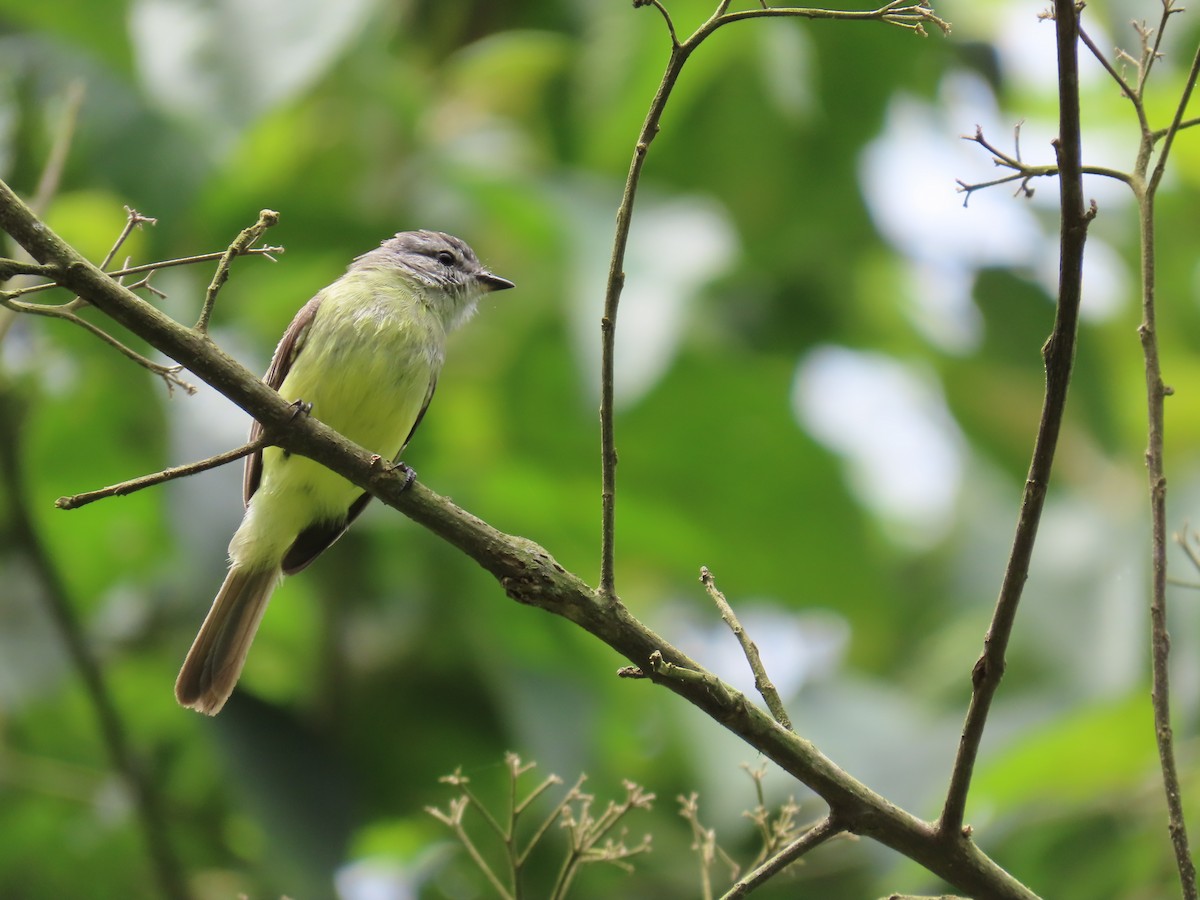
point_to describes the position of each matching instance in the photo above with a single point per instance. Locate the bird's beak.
(493, 282)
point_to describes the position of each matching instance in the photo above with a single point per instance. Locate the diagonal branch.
(66, 311)
(1059, 356)
(766, 688)
(814, 837)
(139, 484)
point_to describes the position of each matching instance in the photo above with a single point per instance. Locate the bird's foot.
(410, 474)
(300, 408)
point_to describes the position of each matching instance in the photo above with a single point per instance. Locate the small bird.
(363, 356)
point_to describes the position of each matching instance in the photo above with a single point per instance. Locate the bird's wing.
(281, 363)
(420, 416)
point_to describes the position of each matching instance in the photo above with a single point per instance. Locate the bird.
(363, 356)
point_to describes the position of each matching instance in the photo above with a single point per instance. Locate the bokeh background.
(828, 382)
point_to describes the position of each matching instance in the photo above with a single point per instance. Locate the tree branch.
(1059, 356)
(240, 245)
(814, 837)
(137, 484)
(1156, 394)
(897, 12)
(526, 571)
(764, 684)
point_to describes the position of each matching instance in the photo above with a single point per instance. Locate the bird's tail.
(215, 661)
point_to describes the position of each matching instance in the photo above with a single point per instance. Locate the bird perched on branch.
(363, 356)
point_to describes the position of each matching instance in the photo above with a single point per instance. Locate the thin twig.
(1156, 394)
(1022, 171)
(1127, 90)
(1159, 133)
(704, 842)
(168, 373)
(814, 837)
(902, 13)
(898, 12)
(133, 219)
(553, 816)
(1176, 124)
(268, 252)
(1182, 540)
(749, 648)
(1059, 355)
(1151, 54)
(239, 245)
(137, 484)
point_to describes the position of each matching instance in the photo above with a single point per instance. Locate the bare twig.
(1127, 90)
(241, 244)
(136, 484)
(134, 219)
(1182, 540)
(1151, 52)
(586, 830)
(1022, 172)
(903, 13)
(65, 311)
(704, 842)
(573, 812)
(48, 272)
(814, 837)
(765, 687)
(1059, 355)
(1156, 394)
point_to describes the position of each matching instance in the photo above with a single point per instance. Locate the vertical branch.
(1156, 394)
(1059, 355)
(612, 297)
(1160, 639)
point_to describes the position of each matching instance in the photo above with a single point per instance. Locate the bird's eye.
(446, 258)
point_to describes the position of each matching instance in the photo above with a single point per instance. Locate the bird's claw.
(300, 408)
(410, 475)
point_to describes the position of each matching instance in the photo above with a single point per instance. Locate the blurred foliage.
(829, 379)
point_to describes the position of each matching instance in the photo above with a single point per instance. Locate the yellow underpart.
(365, 364)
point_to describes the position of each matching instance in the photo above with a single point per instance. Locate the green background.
(828, 381)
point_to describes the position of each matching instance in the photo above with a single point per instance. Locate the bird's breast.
(367, 364)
